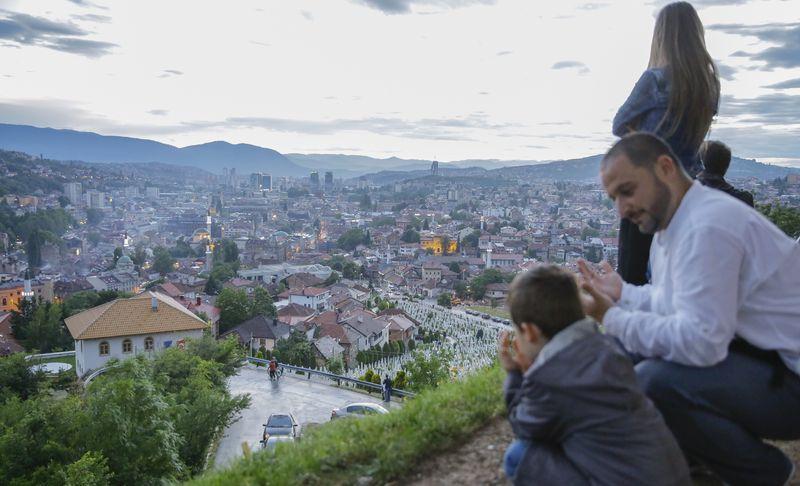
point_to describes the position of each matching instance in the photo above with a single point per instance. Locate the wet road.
(307, 400)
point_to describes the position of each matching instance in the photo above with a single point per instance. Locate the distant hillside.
(92, 147)
(583, 169)
(355, 165)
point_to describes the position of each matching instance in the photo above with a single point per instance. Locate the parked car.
(497, 319)
(358, 410)
(279, 424)
(273, 441)
(486, 316)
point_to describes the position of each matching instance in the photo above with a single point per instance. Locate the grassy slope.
(384, 447)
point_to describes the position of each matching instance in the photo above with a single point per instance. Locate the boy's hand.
(607, 281)
(504, 352)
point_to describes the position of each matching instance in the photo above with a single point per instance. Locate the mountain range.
(59, 144)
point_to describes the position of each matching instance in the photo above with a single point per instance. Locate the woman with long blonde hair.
(676, 98)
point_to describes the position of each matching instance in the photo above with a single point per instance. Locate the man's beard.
(657, 213)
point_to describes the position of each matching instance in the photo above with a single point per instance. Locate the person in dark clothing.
(573, 402)
(716, 158)
(676, 98)
(387, 389)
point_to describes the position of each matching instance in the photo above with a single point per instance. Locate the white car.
(358, 410)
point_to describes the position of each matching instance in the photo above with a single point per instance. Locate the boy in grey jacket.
(572, 397)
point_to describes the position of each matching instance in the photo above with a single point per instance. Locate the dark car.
(486, 316)
(279, 424)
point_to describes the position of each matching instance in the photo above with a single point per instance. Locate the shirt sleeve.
(643, 98)
(635, 297)
(705, 272)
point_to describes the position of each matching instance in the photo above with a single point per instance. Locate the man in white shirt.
(719, 326)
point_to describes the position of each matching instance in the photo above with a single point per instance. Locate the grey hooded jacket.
(580, 408)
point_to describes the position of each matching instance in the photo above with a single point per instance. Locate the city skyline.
(444, 79)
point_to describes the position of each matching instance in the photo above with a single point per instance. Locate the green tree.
(410, 235)
(445, 300)
(213, 286)
(350, 239)
(365, 203)
(63, 201)
(784, 217)
(90, 470)
(332, 279)
(262, 304)
(226, 251)
(234, 308)
(336, 366)
(17, 379)
(295, 350)
(94, 238)
(132, 427)
(139, 256)
(94, 216)
(428, 368)
(163, 262)
(454, 267)
(45, 331)
(117, 254)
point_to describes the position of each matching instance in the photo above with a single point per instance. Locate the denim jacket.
(643, 111)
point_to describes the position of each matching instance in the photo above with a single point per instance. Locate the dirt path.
(480, 461)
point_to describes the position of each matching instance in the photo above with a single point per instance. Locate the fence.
(62, 354)
(338, 378)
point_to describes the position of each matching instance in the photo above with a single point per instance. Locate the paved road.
(309, 401)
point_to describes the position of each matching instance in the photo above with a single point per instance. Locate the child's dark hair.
(546, 296)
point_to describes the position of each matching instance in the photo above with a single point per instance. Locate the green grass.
(385, 447)
(496, 311)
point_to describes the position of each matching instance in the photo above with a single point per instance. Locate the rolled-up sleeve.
(701, 320)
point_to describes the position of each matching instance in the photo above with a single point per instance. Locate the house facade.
(145, 324)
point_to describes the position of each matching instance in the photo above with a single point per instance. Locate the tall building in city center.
(73, 190)
(328, 179)
(314, 179)
(255, 181)
(266, 182)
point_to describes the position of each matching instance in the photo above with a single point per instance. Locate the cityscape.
(282, 264)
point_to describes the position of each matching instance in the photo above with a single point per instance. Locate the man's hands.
(606, 281)
(515, 361)
(601, 289)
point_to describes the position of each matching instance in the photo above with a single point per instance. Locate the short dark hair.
(716, 157)
(546, 296)
(642, 149)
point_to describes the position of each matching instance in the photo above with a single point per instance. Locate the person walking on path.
(387, 389)
(675, 98)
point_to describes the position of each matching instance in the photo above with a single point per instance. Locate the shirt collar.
(681, 214)
(574, 332)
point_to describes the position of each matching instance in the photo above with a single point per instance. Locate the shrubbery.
(140, 423)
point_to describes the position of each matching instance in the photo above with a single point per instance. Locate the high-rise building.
(151, 192)
(255, 181)
(72, 190)
(328, 178)
(266, 182)
(95, 199)
(314, 179)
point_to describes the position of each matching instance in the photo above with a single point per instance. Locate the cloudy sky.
(445, 79)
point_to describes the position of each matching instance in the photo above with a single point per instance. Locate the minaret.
(488, 258)
(27, 291)
(209, 257)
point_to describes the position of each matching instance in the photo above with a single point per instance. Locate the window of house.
(104, 349)
(148, 344)
(5, 301)
(127, 346)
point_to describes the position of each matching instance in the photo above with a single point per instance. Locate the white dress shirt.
(720, 269)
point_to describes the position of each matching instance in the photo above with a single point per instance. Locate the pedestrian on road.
(387, 389)
(273, 368)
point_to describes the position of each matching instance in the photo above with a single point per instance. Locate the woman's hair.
(680, 48)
